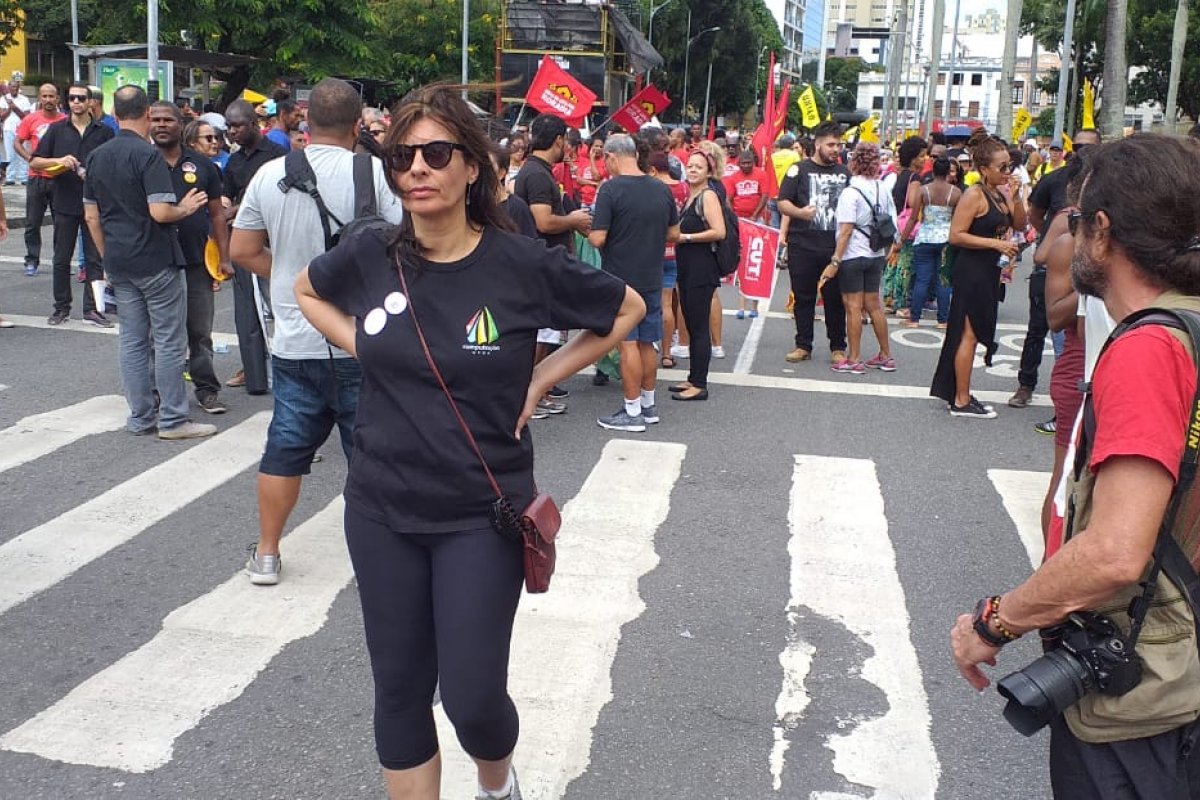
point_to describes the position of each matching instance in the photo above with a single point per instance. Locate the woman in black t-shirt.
(439, 586)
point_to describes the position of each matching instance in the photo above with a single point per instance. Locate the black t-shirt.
(636, 210)
(244, 163)
(195, 171)
(536, 185)
(413, 469)
(809, 183)
(124, 176)
(63, 139)
(1050, 193)
(900, 189)
(518, 211)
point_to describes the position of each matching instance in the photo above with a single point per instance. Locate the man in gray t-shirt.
(315, 384)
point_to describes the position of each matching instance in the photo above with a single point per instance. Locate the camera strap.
(1168, 556)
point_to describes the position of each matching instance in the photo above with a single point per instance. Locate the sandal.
(668, 362)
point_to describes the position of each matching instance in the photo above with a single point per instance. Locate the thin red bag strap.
(412, 310)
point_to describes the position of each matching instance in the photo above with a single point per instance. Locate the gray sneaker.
(650, 414)
(187, 430)
(263, 570)
(621, 421)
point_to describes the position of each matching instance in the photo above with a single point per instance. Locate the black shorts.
(861, 275)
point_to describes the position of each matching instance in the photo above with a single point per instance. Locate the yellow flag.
(1068, 145)
(1021, 123)
(866, 131)
(809, 116)
(1089, 105)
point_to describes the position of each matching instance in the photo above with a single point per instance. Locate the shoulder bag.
(537, 526)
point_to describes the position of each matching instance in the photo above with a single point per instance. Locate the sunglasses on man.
(436, 154)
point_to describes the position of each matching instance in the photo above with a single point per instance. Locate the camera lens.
(1044, 689)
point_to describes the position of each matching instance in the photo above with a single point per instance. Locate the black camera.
(1087, 653)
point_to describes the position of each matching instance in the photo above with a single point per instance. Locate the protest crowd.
(360, 243)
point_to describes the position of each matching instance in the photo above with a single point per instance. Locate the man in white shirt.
(315, 385)
(14, 107)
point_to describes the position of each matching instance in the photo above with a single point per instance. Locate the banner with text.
(760, 252)
(641, 108)
(1021, 124)
(554, 91)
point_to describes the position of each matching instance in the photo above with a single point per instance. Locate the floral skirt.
(897, 279)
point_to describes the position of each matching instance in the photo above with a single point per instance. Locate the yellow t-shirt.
(781, 160)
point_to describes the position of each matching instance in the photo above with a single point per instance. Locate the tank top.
(935, 220)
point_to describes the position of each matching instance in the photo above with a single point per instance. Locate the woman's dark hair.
(1146, 186)
(910, 148)
(191, 133)
(659, 161)
(941, 167)
(503, 159)
(983, 146)
(937, 137)
(442, 103)
(1017, 155)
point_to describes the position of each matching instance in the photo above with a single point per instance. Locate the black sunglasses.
(82, 98)
(378, 131)
(1073, 220)
(437, 155)
(208, 137)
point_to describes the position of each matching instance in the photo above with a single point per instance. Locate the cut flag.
(641, 108)
(554, 91)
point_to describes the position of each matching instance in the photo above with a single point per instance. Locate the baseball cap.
(1056, 144)
(215, 120)
(787, 140)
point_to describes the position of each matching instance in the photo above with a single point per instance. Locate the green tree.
(841, 80)
(1151, 23)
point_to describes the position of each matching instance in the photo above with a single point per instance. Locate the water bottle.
(220, 347)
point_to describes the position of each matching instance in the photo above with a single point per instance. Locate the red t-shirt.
(679, 190)
(562, 172)
(682, 154)
(31, 130)
(745, 191)
(587, 194)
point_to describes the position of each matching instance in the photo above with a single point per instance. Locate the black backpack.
(881, 232)
(298, 174)
(729, 250)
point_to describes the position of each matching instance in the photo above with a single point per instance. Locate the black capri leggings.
(437, 607)
(695, 302)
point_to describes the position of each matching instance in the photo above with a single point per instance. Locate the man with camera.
(1120, 682)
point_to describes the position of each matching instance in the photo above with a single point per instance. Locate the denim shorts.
(861, 275)
(650, 329)
(311, 396)
(670, 274)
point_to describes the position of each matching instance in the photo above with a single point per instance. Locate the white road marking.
(844, 569)
(129, 715)
(1001, 326)
(40, 434)
(39, 558)
(74, 325)
(1022, 493)
(572, 632)
(846, 386)
(745, 359)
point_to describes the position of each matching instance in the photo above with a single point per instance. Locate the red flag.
(760, 250)
(763, 141)
(641, 108)
(781, 109)
(554, 91)
(712, 128)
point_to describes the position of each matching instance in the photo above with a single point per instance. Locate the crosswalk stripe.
(571, 633)
(45, 555)
(1022, 493)
(40, 434)
(78, 326)
(843, 567)
(129, 715)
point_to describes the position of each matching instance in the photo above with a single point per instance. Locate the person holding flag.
(747, 190)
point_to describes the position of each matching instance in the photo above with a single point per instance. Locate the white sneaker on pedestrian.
(718, 351)
(187, 430)
(680, 351)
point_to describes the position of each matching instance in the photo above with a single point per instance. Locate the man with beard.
(254, 151)
(1048, 197)
(1136, 247)
(64, 150)
(287, 119)
(808, 197)
(190, 170)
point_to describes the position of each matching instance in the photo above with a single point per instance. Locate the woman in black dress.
(981, 231)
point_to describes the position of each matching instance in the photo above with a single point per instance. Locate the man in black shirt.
(537, 186)
(62, 152)
(254, 151)
(635, 217)
(129, 205)
(190, 170)
(1049, 196)
(808, 197)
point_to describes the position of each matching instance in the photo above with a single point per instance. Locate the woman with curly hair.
(857, 264)
(980, 230)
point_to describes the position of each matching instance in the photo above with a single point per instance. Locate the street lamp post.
(758, 115)
(687, 51)
(465, 43)
(654, 9)
(708, 88)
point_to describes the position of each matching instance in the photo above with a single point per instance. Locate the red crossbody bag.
(537, 526)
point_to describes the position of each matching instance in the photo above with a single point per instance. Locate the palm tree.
(1004, 116)
(1116, 70)
(1177, 42)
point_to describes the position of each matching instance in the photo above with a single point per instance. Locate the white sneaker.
(679, 351)
(187, 430)
(718, 351)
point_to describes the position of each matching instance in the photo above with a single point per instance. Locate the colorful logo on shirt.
(482, 333)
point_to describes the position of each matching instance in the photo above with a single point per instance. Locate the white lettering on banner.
(754, 258)
(558, 102)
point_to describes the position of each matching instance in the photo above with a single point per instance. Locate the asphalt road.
(764, 614)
